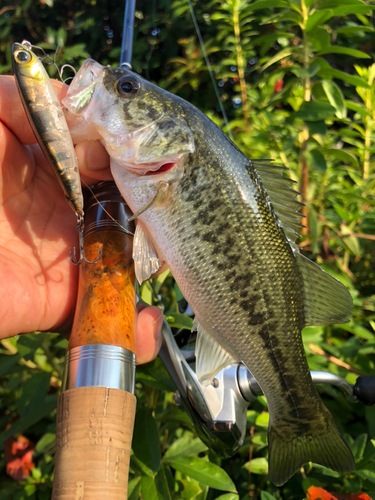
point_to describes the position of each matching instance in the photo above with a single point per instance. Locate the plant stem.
(240, 64)
(366, 163)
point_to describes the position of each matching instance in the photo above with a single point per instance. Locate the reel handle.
(364, 389)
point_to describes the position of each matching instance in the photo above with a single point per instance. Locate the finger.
(12, 113)
(148, 334)
(93, 161)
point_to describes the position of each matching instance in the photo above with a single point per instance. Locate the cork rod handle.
(93, 441)
(94, 423)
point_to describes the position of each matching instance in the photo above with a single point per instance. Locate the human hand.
(37, 228)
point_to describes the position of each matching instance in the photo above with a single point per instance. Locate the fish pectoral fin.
(320, 443)
(145, 255)
(211, 357)
(161, 194)
(326, 299)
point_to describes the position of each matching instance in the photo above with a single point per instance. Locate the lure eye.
(22, 56)
(128, 86)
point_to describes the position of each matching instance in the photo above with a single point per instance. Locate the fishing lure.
(48, 122)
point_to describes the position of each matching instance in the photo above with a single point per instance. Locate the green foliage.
(297, 81)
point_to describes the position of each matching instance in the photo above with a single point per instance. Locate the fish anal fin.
(145, 255)
(321, 443)
(326, 299)
(211, 357)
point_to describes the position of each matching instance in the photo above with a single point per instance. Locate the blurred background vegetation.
(297, 81)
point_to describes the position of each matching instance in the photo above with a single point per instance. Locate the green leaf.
(340, 154)
(178, 292)
(343, 214)
(204, 472)
(155, 375)
(315, 111)
(148, 488)
(190, 489)
(317, 160)
(343, 50)
(278, 57)
(354, 30)
(228, 496)
(345, 10)
(33, 393)
(268, 4)
(353, 80)
(325, 471)
(318, 18)
(359, 445)
(177, 320)
(43, 409)
(45, 441)
(358, 108)
(146, 444)
(185, 446)
(319, 128)
(134, 488)
(257, 465)
(264, 495)
(335, 97)
(162, 486)
(263, 420)
(7, 362)
(366, 474)
(359, 331)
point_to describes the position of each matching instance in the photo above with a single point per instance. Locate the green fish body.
(226, 226)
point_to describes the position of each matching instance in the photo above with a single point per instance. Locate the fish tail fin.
(320, 442)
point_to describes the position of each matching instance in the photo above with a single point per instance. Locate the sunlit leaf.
(344, 50)
(177, 320)
(257, 465)
(318, 18)
(185, 447)
(341, 75)
(203, 471)
(335, 97)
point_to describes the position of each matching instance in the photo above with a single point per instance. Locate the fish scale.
(226, 227)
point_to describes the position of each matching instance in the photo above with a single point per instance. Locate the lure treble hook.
(80, 229)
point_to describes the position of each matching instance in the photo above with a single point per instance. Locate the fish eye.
(127, 86)
(22, 56)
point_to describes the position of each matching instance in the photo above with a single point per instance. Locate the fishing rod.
(96, 408)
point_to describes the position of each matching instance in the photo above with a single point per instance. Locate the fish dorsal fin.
(282, 197)
(326, 300)
(210, 356)
(145, 255)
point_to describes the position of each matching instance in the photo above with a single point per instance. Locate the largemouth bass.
(226, 226)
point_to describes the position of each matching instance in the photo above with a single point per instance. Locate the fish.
(48, 122)
(227, 228)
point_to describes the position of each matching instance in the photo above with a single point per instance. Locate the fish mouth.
(164, 168)
(82, 87)
(157, 167)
